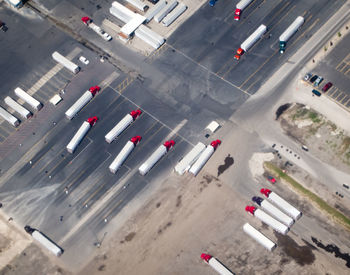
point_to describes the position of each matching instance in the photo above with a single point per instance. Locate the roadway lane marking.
(250, 14)
(90, 142)
(211, 72)
(42, 169)
(112, 209)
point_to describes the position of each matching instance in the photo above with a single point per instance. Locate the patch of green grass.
(338, 216)
(345, 144)
(300, 113)
(314, 117)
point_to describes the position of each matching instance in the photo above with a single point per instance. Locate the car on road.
(153, 1)
(327, 86)
(106, 36)
(271, 179)
(212, 3)
(312, 79)
(318, 81)
(84, 60)
(3, 26)
(307, 76)
(304, 147)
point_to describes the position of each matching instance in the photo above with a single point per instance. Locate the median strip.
(338, 216)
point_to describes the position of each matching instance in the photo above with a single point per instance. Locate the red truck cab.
(237, 14)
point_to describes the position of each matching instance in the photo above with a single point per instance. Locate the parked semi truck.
(35, 104)
(241, 5)
(273, 211)
(281, 203)
(124, 153)
(88, 22)
(216, 265)
(250, 41)
(259, 237)
(80, 134)
(44, 241)
(266, 218)
(155, 157)
(82, 101)
(190, 158)
(204, 157)
(9, 117)
(74, 68)
(17, 107)
(288, 33)
(122, 125)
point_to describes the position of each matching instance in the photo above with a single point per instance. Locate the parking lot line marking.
(42, 169)
(90, 142)
(340, 94)
(62, 159)
(150, 128)
(250, 14)
(348, 70)
(332, 91)
(5, 130)
(75, 179)
(345, 100)
(277, 23)
(112, 209)
(115, 101)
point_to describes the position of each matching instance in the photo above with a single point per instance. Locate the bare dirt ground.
(324, 139)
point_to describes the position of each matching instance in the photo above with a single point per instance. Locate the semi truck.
(189, 159)
(81, 102)
(124, 153)
(281, 203)
(250, 41)
(241, 5)
(216, 265)
(17, 107)
(266, 218)
(259, 237)
(44, 241)
(204, 157)
(8, 117)
(122, 125)
(88, 22)
(35, 104)
(156, 156)
(289, 32)
(74, 68)
(273, 211)
(80, 134)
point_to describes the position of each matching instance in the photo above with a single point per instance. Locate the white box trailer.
(281, 203)
(164, 11)
(266, 218)
(273, 211)
(80, 134)
(154, 10)
(259, 237)
(123, 154)
(204, 157)
(28, 99)
(17, 107)
(129, 28)
(44, 241)
(82, 101)
(150, 37)
(121, 12)
(216, 265)
(8, 117)
(74, 68)
(189, 159)
(174, 14)
(241, 5)
(155, 157)
(287, 34)
(252, 39)
(122, 125)
(138, 4)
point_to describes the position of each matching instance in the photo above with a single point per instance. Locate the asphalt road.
(179, 88)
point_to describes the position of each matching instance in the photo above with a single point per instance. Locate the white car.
(84, 60)
(106, 36)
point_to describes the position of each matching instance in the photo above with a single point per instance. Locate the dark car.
(212, 3)
(312, 79)
(3, 26)
(153, 1)
(327, 86)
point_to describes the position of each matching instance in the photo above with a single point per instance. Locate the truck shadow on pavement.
(228, 162)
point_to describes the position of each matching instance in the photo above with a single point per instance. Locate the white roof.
(55, 99)
(133, 24)
(213, 126)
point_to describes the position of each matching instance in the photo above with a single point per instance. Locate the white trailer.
(241, 5)
(123, 154)
(121, 12)
(154, 10)
(216, 265)
(189, 159)
(274, 211)
(281, 203)
(8, 117)
(122, 125)
(81, 102)
(17, 107)
(204, 157)
(74, 68)
(129, 28)
(251, 40)
(287, 34)
(266, 218)
(28, 99)
(173, 15)
(155, 157)
(150, 37)
(164, 11)
(138, 4)
(80, 134)
(259, 237)
(44, 241)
